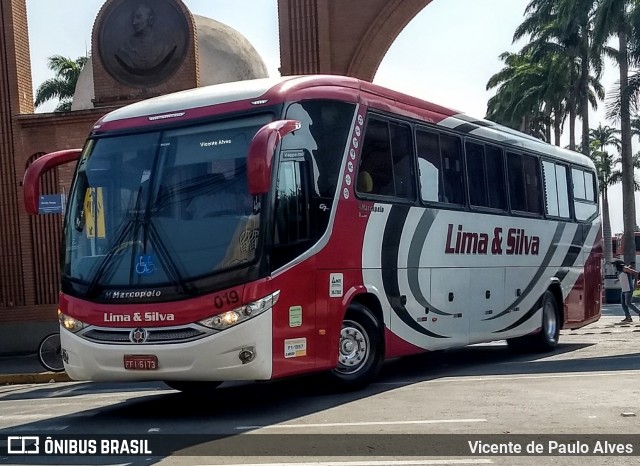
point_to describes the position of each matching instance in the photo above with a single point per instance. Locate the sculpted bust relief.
(143, 42)
(146, 51)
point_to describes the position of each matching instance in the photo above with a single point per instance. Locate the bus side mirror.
(31, 180)
(261, 151)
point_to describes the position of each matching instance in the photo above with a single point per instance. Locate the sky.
(445, 55)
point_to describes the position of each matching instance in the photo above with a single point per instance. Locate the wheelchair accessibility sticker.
(144, 265)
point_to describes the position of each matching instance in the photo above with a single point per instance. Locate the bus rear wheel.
(549, 335)
(360, 349)
(547, 339)
(193, 388)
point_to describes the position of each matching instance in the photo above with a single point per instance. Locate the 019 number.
(226, 299)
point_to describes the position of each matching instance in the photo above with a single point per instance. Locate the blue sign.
(51, 204)
(144, 265)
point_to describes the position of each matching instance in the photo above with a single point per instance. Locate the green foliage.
(63, 85)
(567, 41)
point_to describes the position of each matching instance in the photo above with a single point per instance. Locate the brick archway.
(45, 233)
(335, 37)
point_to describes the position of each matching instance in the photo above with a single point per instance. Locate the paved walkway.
(15, 369)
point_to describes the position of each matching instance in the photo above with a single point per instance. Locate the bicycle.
(50, 353)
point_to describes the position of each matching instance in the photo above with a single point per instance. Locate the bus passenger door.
(294, 327)
(452, 304)
(486, 293)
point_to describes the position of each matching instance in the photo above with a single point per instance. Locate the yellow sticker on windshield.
(94, 213)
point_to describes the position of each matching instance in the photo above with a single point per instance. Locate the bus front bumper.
(213, 358)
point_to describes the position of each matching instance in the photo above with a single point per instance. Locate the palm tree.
(63, 86)
(599, 139)
(529, 93)
(574, 17)
(563, 26)
(613, 19)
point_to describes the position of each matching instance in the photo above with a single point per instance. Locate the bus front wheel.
(360, 348)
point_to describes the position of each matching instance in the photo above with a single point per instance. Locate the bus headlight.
(69, 323)
(241, 314)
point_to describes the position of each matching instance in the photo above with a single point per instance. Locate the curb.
(41, 377)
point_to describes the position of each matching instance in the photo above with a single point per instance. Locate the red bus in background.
(618, 247)
(268, 228)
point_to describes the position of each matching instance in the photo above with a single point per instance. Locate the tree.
(63, 86)
(613, 18)
(529, 93)
(563, 26)
(599, 139)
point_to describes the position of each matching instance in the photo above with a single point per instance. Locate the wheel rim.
(550, 321)
(354, 348)
(51, 353)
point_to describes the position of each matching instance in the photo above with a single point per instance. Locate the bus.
(285, 226)
(618, 247)
(612, 287)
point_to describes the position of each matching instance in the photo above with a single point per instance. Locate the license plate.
(141, 362)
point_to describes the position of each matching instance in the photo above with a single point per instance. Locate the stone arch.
(375, 44)
(347, 38)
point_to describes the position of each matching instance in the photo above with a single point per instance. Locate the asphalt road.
(422, 410)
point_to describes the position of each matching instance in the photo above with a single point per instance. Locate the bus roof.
(177, 104)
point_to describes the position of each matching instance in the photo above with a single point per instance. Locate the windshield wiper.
(105, 262)
(166, 259)
(118, 246)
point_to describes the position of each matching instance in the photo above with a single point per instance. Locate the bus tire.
(360, 350)
(547, 339)
(193, 388)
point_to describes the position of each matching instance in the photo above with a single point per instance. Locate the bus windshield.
(162, 208)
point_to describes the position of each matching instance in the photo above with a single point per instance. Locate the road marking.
(351, 424)
(450, 378)
(24, 417)
(121, 396)
(373, 463)
(40, 429)
(43, 407)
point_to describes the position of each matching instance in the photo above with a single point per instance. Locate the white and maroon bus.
(268, 228)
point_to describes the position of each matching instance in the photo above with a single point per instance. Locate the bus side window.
(376, 160)
(495, 178)
(386, 164)
(584, 199)
(550, 188)
(532, 183)
(452, 169)
(476, 175)
(555, 186)
(430, 166)
(516, 182)
(563, 191)
(524, 183)
(401, 149)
